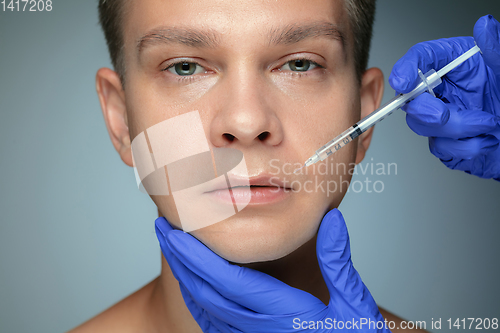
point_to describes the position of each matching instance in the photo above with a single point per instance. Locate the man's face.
(273, 79)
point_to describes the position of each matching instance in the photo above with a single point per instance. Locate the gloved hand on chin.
(224, 297)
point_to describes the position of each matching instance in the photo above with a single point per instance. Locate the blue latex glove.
(224, 297)
(462, 123)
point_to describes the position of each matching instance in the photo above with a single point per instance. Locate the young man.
(264, 76)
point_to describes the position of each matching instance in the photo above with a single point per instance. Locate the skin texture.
(245, 89)
(249, 99)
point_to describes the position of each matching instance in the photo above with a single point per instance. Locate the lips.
(262, 189)
(258, 181)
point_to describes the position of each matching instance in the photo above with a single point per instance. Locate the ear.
(112, 99)
(371, 92)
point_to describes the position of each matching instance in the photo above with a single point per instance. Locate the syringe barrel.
(432, 80)
(338, 142)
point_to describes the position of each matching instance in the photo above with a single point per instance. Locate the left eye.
(185, 68)
(299, 65)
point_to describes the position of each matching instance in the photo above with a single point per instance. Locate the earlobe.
(371, 92)
(114, 110)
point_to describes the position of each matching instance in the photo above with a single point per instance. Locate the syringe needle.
(311, 160)
(429, 81)
(297, 170)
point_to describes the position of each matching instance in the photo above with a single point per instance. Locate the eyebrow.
(186, 36)
(208, 38)
(291, 34)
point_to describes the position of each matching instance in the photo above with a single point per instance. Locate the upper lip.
(242, 181)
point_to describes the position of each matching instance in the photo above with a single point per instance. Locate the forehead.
(237, 22)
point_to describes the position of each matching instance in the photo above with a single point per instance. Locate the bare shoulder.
(126, 316)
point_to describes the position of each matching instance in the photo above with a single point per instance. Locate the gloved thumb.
(487, 36)
(334, 257)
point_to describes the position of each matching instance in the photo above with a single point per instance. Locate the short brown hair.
(111, 13)
(361, 16)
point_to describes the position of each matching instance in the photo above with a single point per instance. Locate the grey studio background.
(76, 235)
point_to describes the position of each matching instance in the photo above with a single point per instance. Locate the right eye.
(185, 68)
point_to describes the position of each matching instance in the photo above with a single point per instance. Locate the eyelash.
(180, 78)
(301, 74)
(189, 78)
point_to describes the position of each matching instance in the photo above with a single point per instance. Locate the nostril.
(264, 135)
(228, 137)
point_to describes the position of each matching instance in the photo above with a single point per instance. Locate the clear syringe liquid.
(428, 82)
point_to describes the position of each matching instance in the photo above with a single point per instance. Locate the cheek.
(315, 116)
(330, 113)
(167, 208)
(147, 106)
(143, 109)
(151, 100)
(169, 95)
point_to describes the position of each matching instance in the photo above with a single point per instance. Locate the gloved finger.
(468, 148)
(226, 315)
(227, 311)
(334, 257)
(198, 313)
(487, 166)
(206, 323)
(208, 300)
(162, 227)
(205, 320)
(487, 36)
(426, 56)
(234, 282)
(427, 110)
(484, 166)
(460, 123)
(222, 326)
(474, 166)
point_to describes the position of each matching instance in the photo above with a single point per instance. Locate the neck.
(298, 269)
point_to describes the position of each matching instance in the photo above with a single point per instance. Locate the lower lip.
(252, 195)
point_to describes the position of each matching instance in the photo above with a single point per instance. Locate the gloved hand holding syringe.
(429, 81)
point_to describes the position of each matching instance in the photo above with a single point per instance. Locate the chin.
(244, 250)
(264, 231)
(257, 239)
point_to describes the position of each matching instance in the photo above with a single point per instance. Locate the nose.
(245, 116)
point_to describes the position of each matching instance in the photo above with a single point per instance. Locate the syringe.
(429, 81)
